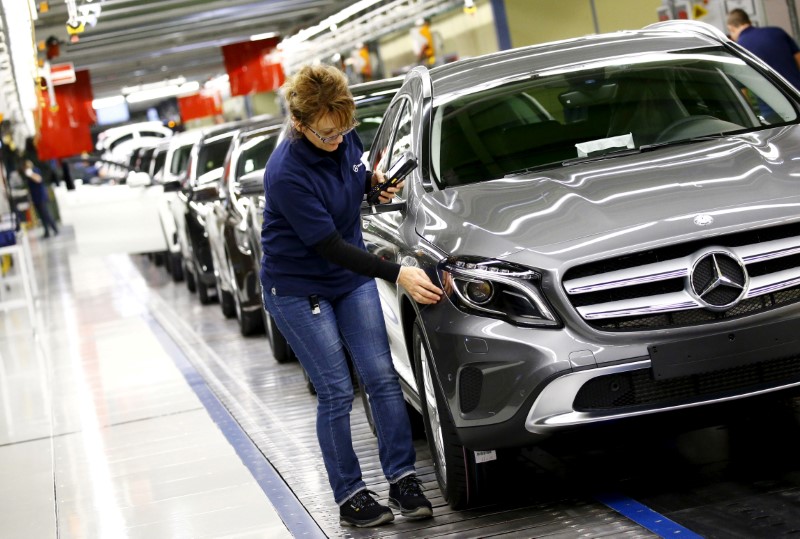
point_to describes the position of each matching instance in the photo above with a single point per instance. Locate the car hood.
(622, 203)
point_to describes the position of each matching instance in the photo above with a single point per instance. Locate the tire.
(226, 302)
(250, 323)
(191, 283)
(203, 293)
(159, 258)
(175, 267)
(454, 464)
(280, 348)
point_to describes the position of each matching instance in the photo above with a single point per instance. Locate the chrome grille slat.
(677, 268)
(599, 306)
(769, 250)
(664, 303)
(774, 282)
(661, 271)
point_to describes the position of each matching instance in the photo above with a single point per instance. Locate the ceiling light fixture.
(163, 93)
(330, 22)
(104, 102)
(177, 81)
(266, 35)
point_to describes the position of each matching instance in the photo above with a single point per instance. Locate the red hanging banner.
(253, 66)
(200, 105)
(65, 129)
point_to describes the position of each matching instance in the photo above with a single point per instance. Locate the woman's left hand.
(388, 194)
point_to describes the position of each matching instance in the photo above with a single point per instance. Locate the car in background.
(614, 221)
(116, 145)
(235, 266)
(371, 100)
(203, 170)
(198, 192)
(176, 151)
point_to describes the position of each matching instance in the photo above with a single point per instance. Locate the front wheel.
(203, 292)
(456, 470)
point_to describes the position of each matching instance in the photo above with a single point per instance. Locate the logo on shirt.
(357, 166)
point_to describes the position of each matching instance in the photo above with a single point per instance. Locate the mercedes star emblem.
(703, 219)
(718, 279)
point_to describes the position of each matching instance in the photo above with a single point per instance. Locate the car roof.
(526, 61)
(230, 127)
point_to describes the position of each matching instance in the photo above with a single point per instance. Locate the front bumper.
(508, 386)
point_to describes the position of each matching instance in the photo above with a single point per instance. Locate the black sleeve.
(334, 249)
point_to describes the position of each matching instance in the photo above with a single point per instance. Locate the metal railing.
(377, 22)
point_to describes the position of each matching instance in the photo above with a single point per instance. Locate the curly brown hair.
(316, 90)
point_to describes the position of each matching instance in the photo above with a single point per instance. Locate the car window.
(180, 159)
(380, 147)
(160, 158)
(144, 159)
(619, 105)
(120, 140)
(369, 117)
(254, 154)
(212, 155)
(402, 138)
(156, 134)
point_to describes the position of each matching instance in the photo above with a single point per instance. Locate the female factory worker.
(319, 287)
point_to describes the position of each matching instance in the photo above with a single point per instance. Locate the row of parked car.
(213, 203)
(614, 219)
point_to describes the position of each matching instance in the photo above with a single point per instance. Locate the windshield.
(620, 105)
(255, 153)
(212, 155)
(180, 158)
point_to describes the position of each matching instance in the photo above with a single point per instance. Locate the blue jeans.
(353, 321)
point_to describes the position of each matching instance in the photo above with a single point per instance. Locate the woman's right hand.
(419, 285)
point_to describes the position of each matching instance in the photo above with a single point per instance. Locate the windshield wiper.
(700, 138)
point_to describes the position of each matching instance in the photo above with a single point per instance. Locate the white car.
(176, 162)
(117, 143)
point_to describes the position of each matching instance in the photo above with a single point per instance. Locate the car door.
(383, 231)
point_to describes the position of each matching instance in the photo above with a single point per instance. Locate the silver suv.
(616, 220)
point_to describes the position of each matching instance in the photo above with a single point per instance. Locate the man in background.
(770, 43)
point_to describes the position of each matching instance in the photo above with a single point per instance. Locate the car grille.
(660, 288)
(636, 389)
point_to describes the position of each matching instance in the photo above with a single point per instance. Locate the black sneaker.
(407, 497)
(362, 511)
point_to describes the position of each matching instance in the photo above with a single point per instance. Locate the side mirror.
(212, 176)
(367, 209)
(206, 193)
(138, 179)
(251, 184)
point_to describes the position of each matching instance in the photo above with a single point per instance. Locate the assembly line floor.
(134, 411)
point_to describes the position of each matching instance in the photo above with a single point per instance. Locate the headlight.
(497, 290)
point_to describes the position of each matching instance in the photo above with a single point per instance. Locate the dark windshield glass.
(255, 153)
(616, 106)
(212, 155)
(180, 159)
(161, 157)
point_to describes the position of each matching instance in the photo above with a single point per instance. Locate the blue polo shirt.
(775, 47)
(310, 194)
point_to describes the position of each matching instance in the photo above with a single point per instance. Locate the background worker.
(770, 43)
